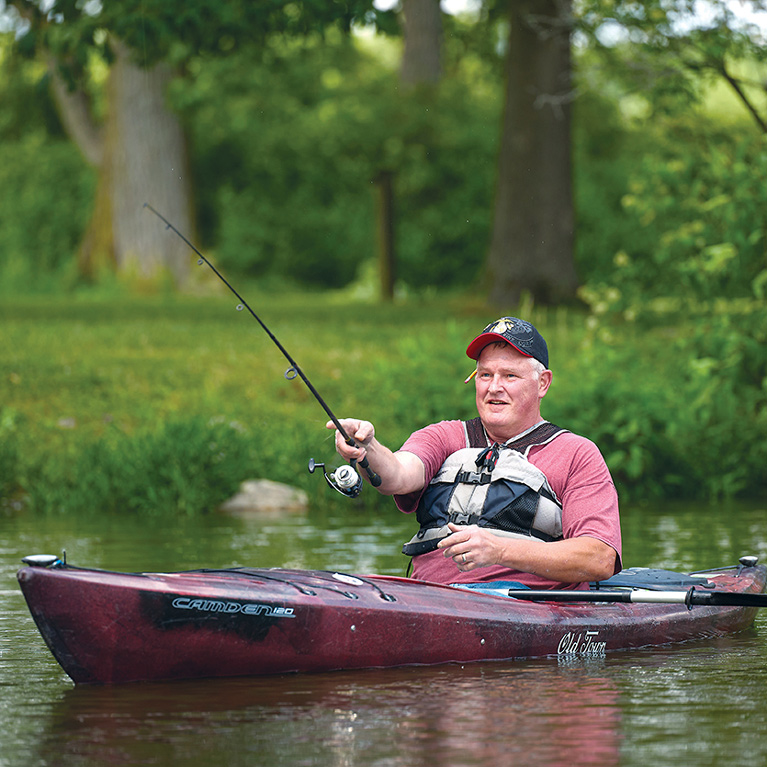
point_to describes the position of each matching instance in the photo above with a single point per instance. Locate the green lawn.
(171, 401)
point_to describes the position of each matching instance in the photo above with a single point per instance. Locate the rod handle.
(375, 480)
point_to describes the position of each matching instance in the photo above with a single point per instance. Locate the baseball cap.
(520, 334)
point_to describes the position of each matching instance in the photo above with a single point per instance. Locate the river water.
(702, 703)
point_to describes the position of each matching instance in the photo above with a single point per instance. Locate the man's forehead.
(504, 355)
(501, 352)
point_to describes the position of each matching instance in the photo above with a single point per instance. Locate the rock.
(265, 495)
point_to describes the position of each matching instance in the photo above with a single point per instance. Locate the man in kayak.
(505, 496)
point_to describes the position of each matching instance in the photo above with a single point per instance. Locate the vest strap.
(540, 435)
(475, 433)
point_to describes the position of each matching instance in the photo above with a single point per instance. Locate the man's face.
(509, 391)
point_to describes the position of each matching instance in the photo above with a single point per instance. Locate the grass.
(83, 377)
(142, 404)
(76, 370)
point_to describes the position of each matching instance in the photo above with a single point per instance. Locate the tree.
(532, 240)
(679, 48)
(140, 154)
(140, 148)
(664, 47)
(422, 34)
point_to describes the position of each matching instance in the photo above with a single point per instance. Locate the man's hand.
(362, 432)
(471, 547)
(573, 560)
(400, 472)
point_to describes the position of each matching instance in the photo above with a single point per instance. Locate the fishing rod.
(345, 479)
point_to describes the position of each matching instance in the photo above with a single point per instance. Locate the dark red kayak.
(106, 627)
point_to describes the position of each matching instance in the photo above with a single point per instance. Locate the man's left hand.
(471, 547)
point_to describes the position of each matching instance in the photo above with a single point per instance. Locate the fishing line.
(344, 479)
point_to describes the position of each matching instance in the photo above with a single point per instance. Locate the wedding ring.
(463, 558)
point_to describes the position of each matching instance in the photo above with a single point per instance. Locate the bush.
(185, 466)
(10, 465)
(699, 286)
(45, 198)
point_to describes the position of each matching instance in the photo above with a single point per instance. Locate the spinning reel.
(344, 479)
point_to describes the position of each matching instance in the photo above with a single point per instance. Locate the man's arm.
(573, 560)
(400, 472)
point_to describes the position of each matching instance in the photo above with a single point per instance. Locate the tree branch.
(75, 112)
(735, 85)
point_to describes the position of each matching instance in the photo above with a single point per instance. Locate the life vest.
(495, 487)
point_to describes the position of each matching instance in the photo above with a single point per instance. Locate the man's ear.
(544, 382)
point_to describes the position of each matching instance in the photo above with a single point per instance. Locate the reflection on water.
(703, 703)
(537, 713)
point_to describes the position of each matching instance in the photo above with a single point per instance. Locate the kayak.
(111, 627)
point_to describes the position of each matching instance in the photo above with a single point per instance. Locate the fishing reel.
(344, 479)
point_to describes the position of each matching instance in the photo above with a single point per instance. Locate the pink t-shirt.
(577, 474)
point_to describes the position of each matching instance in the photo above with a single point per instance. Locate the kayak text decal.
(221, 606)
(585, 643)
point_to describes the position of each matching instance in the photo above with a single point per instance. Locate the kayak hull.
(107, 628)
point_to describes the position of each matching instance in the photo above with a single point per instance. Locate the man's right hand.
(362, 432)
(399, 472)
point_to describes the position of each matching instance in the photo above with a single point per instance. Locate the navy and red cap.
(520, 334)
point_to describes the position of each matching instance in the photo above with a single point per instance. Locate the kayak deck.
(105, 627)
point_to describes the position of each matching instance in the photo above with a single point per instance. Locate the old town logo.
(584, 643)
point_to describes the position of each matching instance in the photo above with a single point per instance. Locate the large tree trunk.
(149, 164)
(141, 157)
(421, 56)
(532, 243)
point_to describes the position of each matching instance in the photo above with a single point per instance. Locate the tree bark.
(421, 56)
(149, 164)
(140, 156)
(533, 240)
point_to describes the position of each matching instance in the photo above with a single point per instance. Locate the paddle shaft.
(375, 480)
(690, 597)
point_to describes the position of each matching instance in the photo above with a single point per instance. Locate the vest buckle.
(474, 478)
(463, 518)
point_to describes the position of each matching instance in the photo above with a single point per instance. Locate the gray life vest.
(495, 487)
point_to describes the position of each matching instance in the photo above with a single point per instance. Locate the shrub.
(10, 465)
(698, 287)
(185, 466)
(45, 197)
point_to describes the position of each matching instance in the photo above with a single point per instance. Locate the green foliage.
(604, 151)
(165, 30)
(154, 408)
(707, 219)
(45, 193)
(25, 98)
(699, 281)
(291, 182)
(45, 186)
(185, 466)
(10, 465)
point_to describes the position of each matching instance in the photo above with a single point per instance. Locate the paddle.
(690, 597)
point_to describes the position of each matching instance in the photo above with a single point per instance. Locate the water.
(703, 703)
